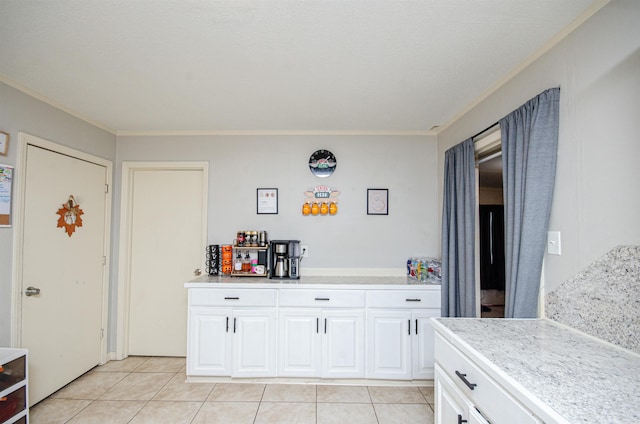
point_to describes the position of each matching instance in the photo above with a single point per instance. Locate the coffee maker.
(284, 259)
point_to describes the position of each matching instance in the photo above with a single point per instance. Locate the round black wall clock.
(322, 163)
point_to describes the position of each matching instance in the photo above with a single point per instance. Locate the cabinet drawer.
(232, 297)
(12, 372)
(322, 298)
(489, 397)
(409, 299)
(13, 403)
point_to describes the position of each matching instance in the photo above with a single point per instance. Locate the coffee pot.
(284, 259)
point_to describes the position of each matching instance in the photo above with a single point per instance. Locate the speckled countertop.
(581, 378)
(310, 282)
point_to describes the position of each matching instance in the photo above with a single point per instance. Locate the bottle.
(246, 263)
(237, 266)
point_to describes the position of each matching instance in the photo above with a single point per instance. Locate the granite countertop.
(581, 378)
(310, 282)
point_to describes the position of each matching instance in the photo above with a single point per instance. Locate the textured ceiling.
(298, 65)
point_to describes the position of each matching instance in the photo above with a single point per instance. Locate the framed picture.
(267, 201)
(377, 201)
(6, 178)
(4, 143)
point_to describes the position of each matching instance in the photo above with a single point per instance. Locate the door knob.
(197, 272)
(32, 291)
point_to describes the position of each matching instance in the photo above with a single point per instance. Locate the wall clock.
(322, 163)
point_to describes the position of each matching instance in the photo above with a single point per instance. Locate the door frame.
(24, 140)
(124, 251)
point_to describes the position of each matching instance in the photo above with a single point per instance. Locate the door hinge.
(106, 188)
(104, 260)
(101, 333)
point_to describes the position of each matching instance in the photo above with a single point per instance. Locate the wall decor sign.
(377, 201)
(4, 143)
(70, 216)
(267, 201)
(6, 178)
(320, 200)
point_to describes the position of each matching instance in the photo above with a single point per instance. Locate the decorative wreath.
(70, 216)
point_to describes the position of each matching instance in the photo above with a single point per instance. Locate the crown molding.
(555, 40)
(273, 132)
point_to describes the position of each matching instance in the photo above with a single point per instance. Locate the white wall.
(596, 202)
(20, 112)
(406, 165)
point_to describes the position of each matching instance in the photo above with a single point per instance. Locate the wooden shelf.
(250, 247)
(247, 274)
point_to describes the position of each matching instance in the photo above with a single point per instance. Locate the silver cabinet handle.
(197, 272)
(32, 291)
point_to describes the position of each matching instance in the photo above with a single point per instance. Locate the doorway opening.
(490, 269)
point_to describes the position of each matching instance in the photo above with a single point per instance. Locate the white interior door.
(62, 325)
(167, 244)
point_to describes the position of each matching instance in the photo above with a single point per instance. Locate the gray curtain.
(458, 232)
(529, 148)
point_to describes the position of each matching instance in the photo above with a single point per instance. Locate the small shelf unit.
(236, 249)
(14, 402)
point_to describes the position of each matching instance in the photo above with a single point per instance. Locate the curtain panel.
(458, 232)
(529, 150)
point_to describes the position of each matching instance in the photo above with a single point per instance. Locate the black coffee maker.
(284, 259)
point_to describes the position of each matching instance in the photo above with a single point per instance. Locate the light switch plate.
(554, 246)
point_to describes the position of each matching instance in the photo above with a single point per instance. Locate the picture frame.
(6, 179)
(377, 201)
(4, 143)
(267, 201)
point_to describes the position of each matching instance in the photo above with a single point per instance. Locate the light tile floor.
(153, 390)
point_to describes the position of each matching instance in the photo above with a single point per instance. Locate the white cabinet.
(343, 343)
(321, 333)
(462, 388)
(452, 406)
(254, 343)
(238, 340)
(209, 345)
(399, 334)
(294, 331)
(13, 386)
(299, 349)
(389, 351)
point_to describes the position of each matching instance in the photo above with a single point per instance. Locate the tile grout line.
(202, 404)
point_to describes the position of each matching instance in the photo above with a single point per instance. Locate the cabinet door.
(423, 343)
(450, 407)
(342, 343)
(209, 345)
(254, 343)
(389, 345)
(299, 344)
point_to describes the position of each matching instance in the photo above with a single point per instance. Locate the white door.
(167, 244)
(254, 343)
(389, 345)
(449, 404)
(62, 325)
(299, 344)
(209, 342)
(343, 344)
(423, 342)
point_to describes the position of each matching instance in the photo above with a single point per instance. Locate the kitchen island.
(535, 370)
(315, 328)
